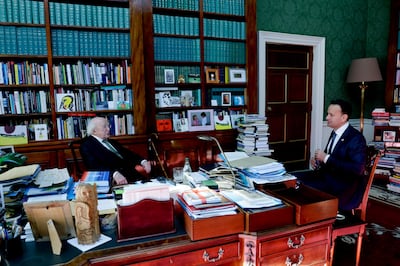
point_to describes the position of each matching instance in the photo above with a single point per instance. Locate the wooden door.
(288, 103)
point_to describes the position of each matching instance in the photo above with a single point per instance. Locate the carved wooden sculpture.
(86, 214)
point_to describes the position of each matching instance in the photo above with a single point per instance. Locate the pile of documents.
(259, 169)
(204, 203)
(251, 199)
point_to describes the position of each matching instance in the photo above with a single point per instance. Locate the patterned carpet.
(380, 248)
(381, 245)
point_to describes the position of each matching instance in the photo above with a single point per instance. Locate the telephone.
(11, 160)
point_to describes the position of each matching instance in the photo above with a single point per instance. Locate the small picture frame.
(389, 135)
(169, 76)
(6, 150)
(200, 120)
(212, 75)
(226, 99)
(237, 75)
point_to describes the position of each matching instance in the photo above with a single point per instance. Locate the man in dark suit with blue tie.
(339, 169)
(99, 153)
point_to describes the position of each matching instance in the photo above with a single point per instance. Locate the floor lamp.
(363, 70)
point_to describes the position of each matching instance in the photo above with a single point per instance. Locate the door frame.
(318, 76)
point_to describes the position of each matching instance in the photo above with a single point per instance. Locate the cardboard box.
(267, 218)
(311, 205)
(145, 218)
(198, 229)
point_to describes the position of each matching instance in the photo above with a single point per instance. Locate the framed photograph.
(200, 120)
(39, 213)
(6, 150)
(237, 75)
(226, 99)
(389, 135)
(169, 76)
(212, 75)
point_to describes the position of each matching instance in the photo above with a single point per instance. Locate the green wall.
(352, 28)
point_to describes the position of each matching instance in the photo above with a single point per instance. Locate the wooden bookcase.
(199, 43)
(56, 35)
(392, 93)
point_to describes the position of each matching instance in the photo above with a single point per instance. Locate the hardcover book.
(100, 178)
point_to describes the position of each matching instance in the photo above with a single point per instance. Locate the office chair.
(356, 222)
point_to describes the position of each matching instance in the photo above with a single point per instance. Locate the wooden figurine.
(86, 214)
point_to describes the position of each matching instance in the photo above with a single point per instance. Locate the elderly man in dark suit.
(339, 169)
(100, 153)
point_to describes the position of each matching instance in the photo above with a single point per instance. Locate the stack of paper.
(204, 202)
(251, 199)
(100, 178)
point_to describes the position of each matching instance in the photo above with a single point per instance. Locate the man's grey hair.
(92, 125)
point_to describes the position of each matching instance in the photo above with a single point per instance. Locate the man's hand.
(119, 179)
(146, 166)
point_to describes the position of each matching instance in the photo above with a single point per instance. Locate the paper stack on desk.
(204, 203)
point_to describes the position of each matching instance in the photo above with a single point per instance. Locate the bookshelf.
(392, 93)
(58, 51)
(62, 62)
(203, 46)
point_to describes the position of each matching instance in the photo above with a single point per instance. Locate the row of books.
(229, 7)
(176, 49)
(177, 4)
(224, 29)
(185, 72)
(224, 51)
(180, 49)
(75, 126)
(17, 73)
(189, 26)
(78, 100)
(92, 73)
(164, 24)
(24, 102)
(90, 43)
(67, 14)
(381, 117)
(23, 40)
(22, 11)
(394, 183)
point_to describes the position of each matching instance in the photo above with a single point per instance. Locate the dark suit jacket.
(96, 157)
(344, 172)
(343, 175)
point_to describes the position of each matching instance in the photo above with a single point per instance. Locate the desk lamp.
(210, 138)
(363, 70)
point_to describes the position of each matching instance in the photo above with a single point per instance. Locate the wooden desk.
(289, 245)
(311, 243)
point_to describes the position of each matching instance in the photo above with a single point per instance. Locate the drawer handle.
(291, 243)
(207, 258)
(289, 262)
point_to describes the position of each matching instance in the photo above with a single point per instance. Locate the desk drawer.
(208, 256)
(310, 255)
(293, 241)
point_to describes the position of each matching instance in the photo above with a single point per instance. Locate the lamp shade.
(364, 70)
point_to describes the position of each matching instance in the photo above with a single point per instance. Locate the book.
(100, 178)
(65, 102)
(40, 132)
